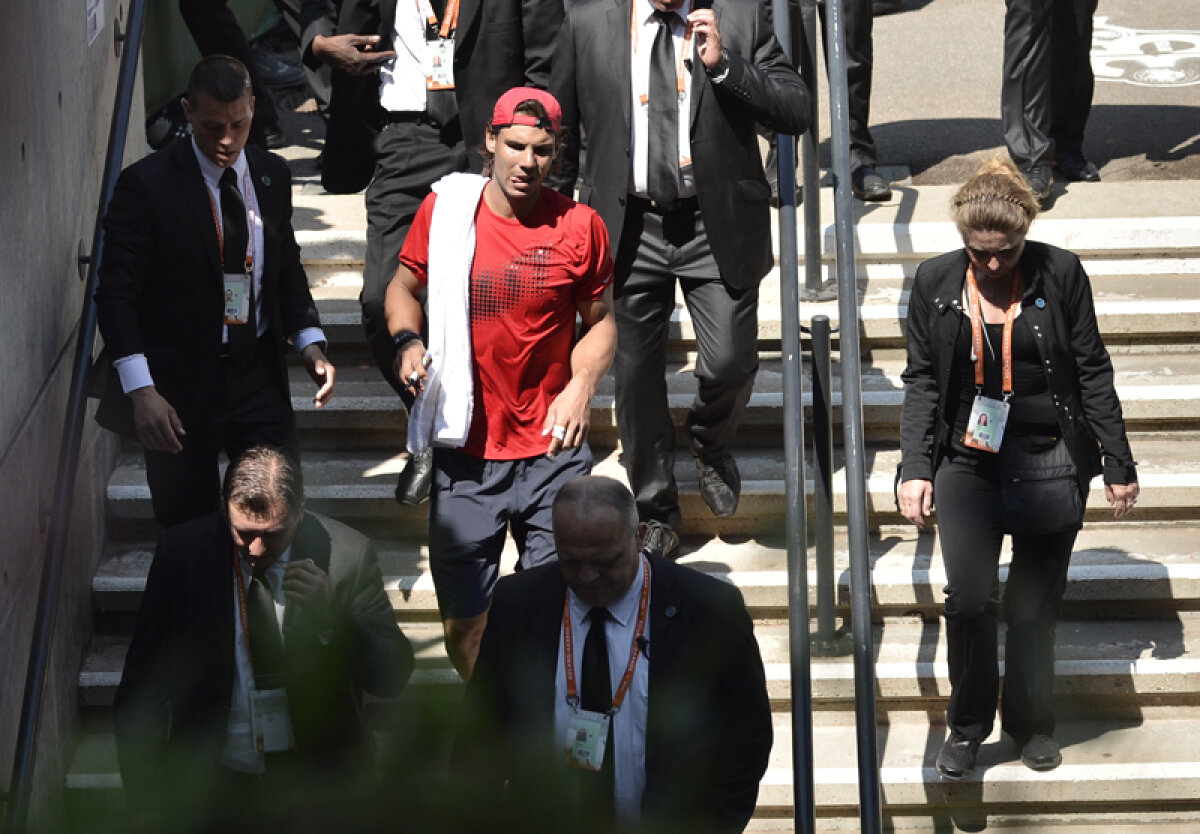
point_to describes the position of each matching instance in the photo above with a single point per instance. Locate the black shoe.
(1038, 178)
(1041, 753)
(412, 488)
(276, 70)
(660, 540)
(720, 485)
(956, 759)
(867, 184)
(1077, 169)
(882, 7)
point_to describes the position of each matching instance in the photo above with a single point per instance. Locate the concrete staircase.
(1127, 663)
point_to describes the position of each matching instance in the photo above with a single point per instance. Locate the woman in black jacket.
(965, 422)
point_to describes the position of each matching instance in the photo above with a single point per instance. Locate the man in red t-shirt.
(503, 389)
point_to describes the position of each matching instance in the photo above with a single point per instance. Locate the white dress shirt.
(240, 752)
(402, 79)
(629, 724)
(133, 369)
(643, 33)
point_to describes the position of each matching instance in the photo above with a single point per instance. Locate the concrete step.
(359, 486)
(1159, 307)
(1112, 667)
(1158, 390)
(1117, 570)
(1148, 764)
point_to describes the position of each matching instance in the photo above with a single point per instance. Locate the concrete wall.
(55, 110)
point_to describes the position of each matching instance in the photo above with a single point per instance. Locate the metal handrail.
(869, 793)
(68, 460)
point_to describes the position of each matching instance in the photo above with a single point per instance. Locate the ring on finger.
(558, 432)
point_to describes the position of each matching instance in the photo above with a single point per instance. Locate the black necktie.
(662, 141)
(266, 643)
(235, 239)
(596, 695)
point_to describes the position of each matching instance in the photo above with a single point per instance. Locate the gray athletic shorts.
(472, 504)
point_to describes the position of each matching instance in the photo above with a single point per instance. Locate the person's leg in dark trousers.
(186, 484)
(260, 410)
(857, 21)
(726, 326)
(217, 32)
(971, 532)
(1026, 97)
(410, 157)
(1073, 80)
(643, 300)
(1033, 596)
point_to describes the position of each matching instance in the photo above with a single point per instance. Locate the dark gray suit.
(719, 246)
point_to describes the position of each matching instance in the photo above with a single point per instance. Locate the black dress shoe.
(660, 540)
(1038, 177)
(956, 759)
(1077, 169)
(882, 7)
(720, 485)
(1041, 753)
(412, 488)
(867, 184)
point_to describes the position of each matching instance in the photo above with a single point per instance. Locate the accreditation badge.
(985, 426)
(237, 298)
(439, 74)
(270, 722)
(587, 736)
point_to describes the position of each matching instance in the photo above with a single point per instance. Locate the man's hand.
(410, 367)
(157, 424)
(322, 372)
(306, 585)
(351, 54)
(1122, 497)
(708, 36)
(568, 417)
(916, 501)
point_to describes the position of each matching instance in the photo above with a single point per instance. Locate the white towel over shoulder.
(441, 415)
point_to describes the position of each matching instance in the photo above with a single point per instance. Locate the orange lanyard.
(634, 648)
(449, 19)
(684, 52)
(243, 611)
(977, 329)
(221, 232)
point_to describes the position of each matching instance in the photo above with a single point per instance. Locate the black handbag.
(1040, 488)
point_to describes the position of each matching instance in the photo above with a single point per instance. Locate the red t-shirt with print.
(527, 278)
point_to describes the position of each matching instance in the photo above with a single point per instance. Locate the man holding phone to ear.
(669, 94)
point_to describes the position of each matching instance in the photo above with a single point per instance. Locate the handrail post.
(804, 802)
(804, 57)
(827, 641)
(869, 794)
(68, 458)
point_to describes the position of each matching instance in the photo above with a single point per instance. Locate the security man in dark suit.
(613, 691)
(261, 627)
(201, 289)
(411, 79)
(669, 94)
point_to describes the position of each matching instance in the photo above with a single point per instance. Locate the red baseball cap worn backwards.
(504, 114)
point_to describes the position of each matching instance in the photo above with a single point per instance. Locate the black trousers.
(966, 489)
(654, 251)
(857, 22)
(1046, 95)
(217, 32)
(252, 409)
(410, 157)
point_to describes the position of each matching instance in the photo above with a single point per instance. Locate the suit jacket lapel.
(266, 193)
(196, 198)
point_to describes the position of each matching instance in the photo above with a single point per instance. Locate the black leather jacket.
(1058, 307)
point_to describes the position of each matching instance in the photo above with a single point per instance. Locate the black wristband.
(401, 339)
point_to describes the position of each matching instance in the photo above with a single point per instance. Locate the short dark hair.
(589, 491)
(529, 107)
(264, 481)
(221, 77)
